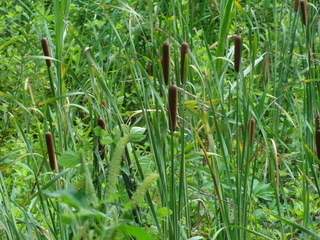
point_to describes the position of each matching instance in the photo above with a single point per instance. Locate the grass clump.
(209, 137)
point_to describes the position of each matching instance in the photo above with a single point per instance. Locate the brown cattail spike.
(304, 13)
(104, 103)
(252, 126)
(237, 53)
(50, 149)
(102, 149)
(165, 61)
(46, 52)
(296, 5)
(184, 52)
(172, 99)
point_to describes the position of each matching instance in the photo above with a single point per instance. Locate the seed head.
(165, 61)
(296, 5)
(50, 149)
(237, 53)
(46, 51)
(184, 52)
(252, 125)
(304, 13)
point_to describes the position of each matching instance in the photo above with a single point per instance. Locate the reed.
(318, 142)
(102, 150)
(165, 62)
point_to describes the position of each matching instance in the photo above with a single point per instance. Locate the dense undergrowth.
(159, 119)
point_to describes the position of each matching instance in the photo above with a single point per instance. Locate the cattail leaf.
(318, 142)
(50, 100)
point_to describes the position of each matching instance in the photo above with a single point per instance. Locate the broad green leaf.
(73, 198)
(137, 134)
(69, 160)
(136, 232)
(164, 212)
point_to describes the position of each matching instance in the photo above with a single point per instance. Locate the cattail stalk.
(184, 52)
(51, 154)
(304, 13)
(172, 99)
(237, 53)
(165, 61)
(318, 142)
(296, 5)
(252, 126)
(46, 51)
(102, 149)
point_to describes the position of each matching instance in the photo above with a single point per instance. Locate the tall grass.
(165, 120)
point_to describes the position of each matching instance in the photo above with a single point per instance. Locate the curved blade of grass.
(296, 226)
(59, 97)
(13, 100)
(253, 232)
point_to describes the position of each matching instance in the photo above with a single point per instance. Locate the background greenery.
(242, 163)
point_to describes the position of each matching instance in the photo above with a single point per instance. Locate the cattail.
(51, 154)
(104, 103)
(184, 52)
(237, 53)
(304, 13)
(46, 52)
(165, 61)
(318, 142)
(102, 149)
(252, 126)
(172, 99)
(296, 5)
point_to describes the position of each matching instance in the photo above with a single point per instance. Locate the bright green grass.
(207, 180)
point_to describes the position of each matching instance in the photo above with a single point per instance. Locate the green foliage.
(215, 177)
